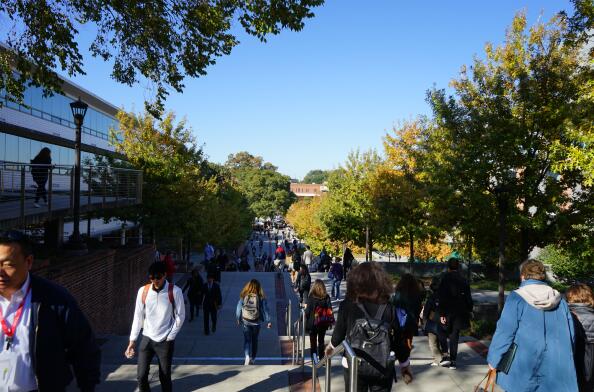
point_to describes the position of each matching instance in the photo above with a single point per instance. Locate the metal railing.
(298, 338)
(288, 317)
(21, 184)
(327, 361)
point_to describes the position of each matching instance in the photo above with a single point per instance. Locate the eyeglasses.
(156, 277)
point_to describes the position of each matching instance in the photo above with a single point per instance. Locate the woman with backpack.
(303, 283)
(318, 318)
(365, 312)
(252, 310)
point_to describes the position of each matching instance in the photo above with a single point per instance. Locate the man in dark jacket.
(455, 307)
(212, 303)
(49, 337)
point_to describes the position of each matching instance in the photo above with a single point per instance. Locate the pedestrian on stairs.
(195, 287)
(160, 313)
(251, 311)
(212, 303)
(318, 318)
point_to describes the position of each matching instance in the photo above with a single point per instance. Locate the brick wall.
(105, 284)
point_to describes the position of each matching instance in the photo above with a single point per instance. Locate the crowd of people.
(544, 340)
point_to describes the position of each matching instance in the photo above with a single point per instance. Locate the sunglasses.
(156, 277)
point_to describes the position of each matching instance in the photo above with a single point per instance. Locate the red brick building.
(308, 190)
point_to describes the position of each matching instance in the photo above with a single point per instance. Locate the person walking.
(280, 257)
(250, 312)
(209, 253)
(194, 286)
(347, 261)
(436, 333)
(296, 265)
(211, 303)
(581, 304)
(532, 348)
(369, 289)
(325, 261)
(160, 313)
(335, 275)
(455, 308)
(169, 265)
(303, 284)
(45, 337)
(318, 318)
(41, 165)
(408, 299)
(308, 257)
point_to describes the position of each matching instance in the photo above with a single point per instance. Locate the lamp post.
(79, 109)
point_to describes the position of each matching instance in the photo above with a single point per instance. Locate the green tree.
(496, 134)
(316, 176)
(348, 213)
(161, 41)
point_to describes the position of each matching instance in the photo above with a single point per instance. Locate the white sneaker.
(434, 363)
(36, 205)
(247, 361)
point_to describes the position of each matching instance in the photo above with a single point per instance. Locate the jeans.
(336, 288)
(147, 350)
(250, 339)
(316, 341)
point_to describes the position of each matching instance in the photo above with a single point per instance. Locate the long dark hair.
(408, 286)
(368, 282)
(45, 153)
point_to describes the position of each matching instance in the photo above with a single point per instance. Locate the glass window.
(36, 99)
(12, 148)
(36, 146)
(24, 150)
(2, 146)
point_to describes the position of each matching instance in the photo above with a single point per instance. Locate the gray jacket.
(585, 313)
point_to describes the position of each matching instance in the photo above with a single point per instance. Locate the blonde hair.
(533, 269)
(318, 289)
(252, 287)
(580, 294)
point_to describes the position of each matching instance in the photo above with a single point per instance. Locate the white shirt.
(24, 374)
(307, 256)
(156, 317)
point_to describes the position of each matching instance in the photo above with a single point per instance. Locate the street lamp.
(79, 109)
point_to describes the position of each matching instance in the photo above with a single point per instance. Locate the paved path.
(214, 362)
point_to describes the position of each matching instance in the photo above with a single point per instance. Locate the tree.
(316, 176)
(495, 139)
(183, 194)
(267, 192)
(348, 213)
(161, 41)
(303, 216)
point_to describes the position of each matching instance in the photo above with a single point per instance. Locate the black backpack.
(370, 339)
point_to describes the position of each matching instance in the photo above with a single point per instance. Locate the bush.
(482, 329)
(564, 265)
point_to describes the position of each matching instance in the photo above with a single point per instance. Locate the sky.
(304, 100)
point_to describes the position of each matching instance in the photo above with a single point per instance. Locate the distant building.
(308, 190)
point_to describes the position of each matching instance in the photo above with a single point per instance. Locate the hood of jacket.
(585, 315)
(539, 295)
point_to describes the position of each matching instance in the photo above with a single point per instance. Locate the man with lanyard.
(160, 312)
(43, 331)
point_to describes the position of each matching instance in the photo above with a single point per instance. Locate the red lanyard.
(9, 331)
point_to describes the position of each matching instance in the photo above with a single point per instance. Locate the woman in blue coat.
(537, 319)
(250, 312)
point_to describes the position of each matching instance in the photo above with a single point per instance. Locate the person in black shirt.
(368, 285)
(212, 303)
(318, 300)
(194, 286)
(41, 165)
(455, 307)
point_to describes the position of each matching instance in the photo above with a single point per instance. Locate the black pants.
(40, 193)
(303, 295)
(454, 337)
(316, 341)
(194, 305)
(365, 384)
(210, 313)
(147, 350)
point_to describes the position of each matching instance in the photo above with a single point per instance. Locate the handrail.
(327, 361)
(299, 340)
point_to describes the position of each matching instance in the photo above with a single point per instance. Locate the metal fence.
(27, 189)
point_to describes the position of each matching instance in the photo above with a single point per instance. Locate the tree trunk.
(367, 251)
(502, 205)
(411, 244)
(469, 257)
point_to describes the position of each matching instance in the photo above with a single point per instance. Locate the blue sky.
(305, 99)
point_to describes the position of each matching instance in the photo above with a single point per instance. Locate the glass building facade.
(56, 109)
(21, 149)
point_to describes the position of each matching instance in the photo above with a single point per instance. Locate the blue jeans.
(250, 340)
(336, 288)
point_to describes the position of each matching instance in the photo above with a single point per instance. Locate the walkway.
(215, 362)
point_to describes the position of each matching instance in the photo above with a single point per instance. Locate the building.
(48, 122)
(308, 190)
